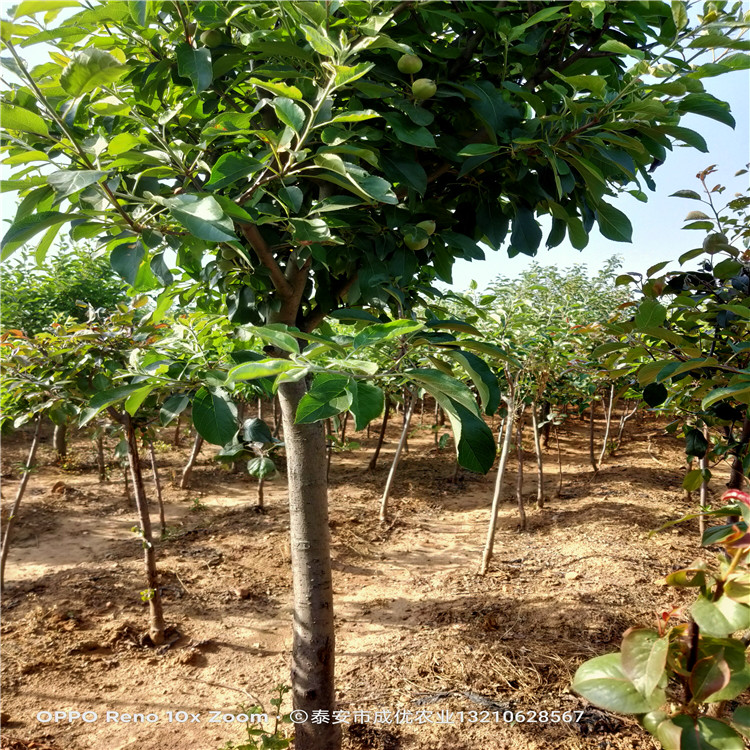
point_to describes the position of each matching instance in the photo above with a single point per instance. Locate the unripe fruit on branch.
(225, 265)
(409, 64)
(428, 225)
(423, 88)
(213, 38)
(415, 241)
(228, 253)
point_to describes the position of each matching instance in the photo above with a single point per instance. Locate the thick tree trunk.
(329, 447)
(276, 416)
(187, 472)
(381, 437)
(313, 642)
(60, 441)
(498, 495)
(519, 475)
(396, 458)
(10, 522)
(260, 408)
(156, 614)
(157, 488)
(101, 464)
(607, 425)
(539, 457)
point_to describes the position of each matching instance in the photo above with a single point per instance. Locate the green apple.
(228, 253)
(415, 241)
(213, 38)
(423, 88)
(428, 226)
(409, 64)
(225, 265)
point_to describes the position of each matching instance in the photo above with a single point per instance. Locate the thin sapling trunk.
(607, 425)
(498, 494)
(539, 457)
(559, 464)
(101, 464)
(381, 437)
(26, 473)
(60, 441)
(157, 488)
(592, 457)
(519, 475)
(187, 472)
(396, 458)
(152, 594)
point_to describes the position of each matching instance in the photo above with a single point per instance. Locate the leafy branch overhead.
(319, 155)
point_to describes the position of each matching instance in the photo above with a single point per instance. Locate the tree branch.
(265, 256)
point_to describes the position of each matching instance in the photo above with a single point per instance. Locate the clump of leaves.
(258, 737)
(669, 676)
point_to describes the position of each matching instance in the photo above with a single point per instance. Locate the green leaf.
(278, 88)
(706, 733)
(376, 334)
(741, 720)
(126, 260)
(686, 194)
(276, 335)
(619, 48)
(228, 123)
(172, 408)
(478, 149)
(651, 314)
(679, 14)
(437, 384)
(90, 69)
(256, 431)
(644, 657)
(68, 181)
(230, 168)
(32, 7)
(730, 391)
(136, 398)
(261, 467)
(195, 64)
(203, 217)
(475, 443)
(289, 113)
(141, 11)
(526, 234)
(214, 415)
(707, 106)
(709, 675)
(693, 480)
(329, 395)
(484, 379)
(367, 404)
(695, 443)
(107, 398)
(262, 369)
(18, 118)
(720, 618)
(613, 223)
(346, 74)
(319, 41)
(22, 231)
(603, 682)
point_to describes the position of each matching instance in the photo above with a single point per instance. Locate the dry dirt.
(417, 628)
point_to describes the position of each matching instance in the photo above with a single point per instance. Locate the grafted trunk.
(177, 439)
(156, 614)
(261, 494)
(11, 520)
(313, 641)
(157, 488)
(546, 408)
(539, 458)
(344, 423)
(559, 464)
(239, 466)
(381, 437)
(396, 458)
(703, 496)
(498, 494)
(187, 472)
(60, 441)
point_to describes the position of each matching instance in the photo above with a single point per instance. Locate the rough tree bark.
(381, 437)
(156, 613)
(10, 522)
(157, 488)
(313, 640)
(539, 457)
(396, 458)
(187, 472)
(498, 495)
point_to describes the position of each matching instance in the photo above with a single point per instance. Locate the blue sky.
(657, 232)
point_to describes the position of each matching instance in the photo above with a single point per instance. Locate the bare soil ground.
(417, 628)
